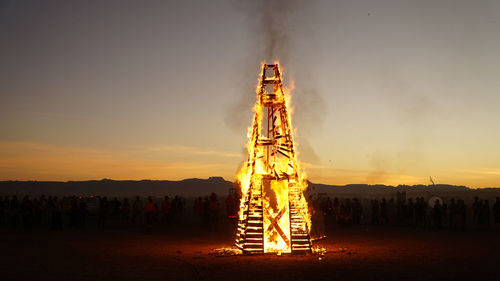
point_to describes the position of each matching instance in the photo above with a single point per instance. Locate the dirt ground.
(357, 253)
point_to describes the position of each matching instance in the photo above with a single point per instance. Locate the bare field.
(359, 253)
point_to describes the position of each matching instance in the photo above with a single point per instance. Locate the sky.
(384, 92)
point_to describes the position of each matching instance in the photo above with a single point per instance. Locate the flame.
(273, 170)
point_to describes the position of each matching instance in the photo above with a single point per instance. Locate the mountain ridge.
(193, 187)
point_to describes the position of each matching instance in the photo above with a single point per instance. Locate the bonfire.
(273, 215)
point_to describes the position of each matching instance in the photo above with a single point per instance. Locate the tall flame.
(272, 184)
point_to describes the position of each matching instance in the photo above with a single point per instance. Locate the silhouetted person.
(336, 210)
(125, 210)
(177, 209)
(317, 218)
(74, 215)
(114, 208)
(206, 211)
(103, 211)
(14, 211)
(37, 211)
(137, 210)
(43, 210)
(149, 214)
(375, 212)
(83, 212)
(453, 214)
(383, 211)
(486, 212)
(481, 214)
(462, 211)
(496, 210)
(391, 212)
(3, 204)
(421, 212)
(345, 212)
(156, 213)
(444, 213)
(437, 214)
(166, 209)
(410, 212)
(231, 210)
(56, 217)
(27, 212)
(328, 211)
(214, 211)
(475, 210)
(199, 209)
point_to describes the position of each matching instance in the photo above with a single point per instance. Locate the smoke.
(279, 30)
(380, 163)
(414, 111)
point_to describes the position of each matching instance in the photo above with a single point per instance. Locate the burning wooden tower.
(273, 215)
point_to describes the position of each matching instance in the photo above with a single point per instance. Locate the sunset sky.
(385, 92)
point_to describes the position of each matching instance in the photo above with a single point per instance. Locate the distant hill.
(187, 187)
(379, 187)
(201, 187)
(388, 191)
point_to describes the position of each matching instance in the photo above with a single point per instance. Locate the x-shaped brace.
(274, 224)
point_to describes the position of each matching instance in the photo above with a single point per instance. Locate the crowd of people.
(74, 212)
(208, 211)
(78, 212)
(435, 213)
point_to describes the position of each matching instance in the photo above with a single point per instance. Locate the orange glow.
(272, 184)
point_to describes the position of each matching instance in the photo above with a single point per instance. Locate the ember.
(273, 215)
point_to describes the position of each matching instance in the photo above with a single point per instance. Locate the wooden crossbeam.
(274, 224)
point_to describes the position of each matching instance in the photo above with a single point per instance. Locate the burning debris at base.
(273, 216)
(226, 252)
(234, 251)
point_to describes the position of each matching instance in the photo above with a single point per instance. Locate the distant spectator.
(496, 210)
(357, 211)
(335, 210)
(137, 210)
(150, 208)
(437, 214)
(327, 208)
(452, 214)
(125, 210)
(410, 212)
(383, 211)
(206, 211)
(3, 204)
(177, 209)
(27, 212)
(486, 212)
(56, 217)
(103, 211)
(74, 215)
(156, 213)
(476, 207)
(444, 214)
(231, 206)
(375, 212)
(391, 212)
(83, 213)
(199, 209)
(166, 209)
(14, 211)
(214, 211)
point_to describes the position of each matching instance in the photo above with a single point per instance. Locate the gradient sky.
(388, 92)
